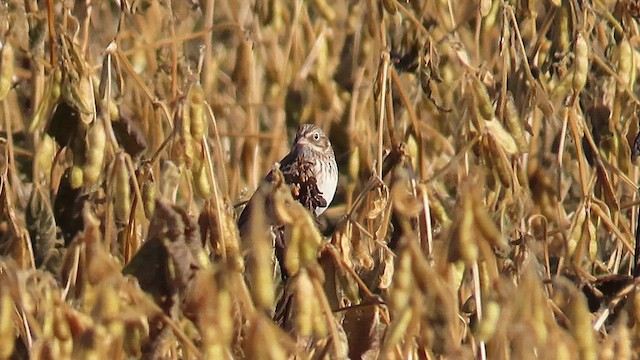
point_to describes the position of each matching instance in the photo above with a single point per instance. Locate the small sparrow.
(310, 169)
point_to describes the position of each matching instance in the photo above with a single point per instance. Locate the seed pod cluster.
(302, 250)
(188, 148)
(474, 224)
(304, 239)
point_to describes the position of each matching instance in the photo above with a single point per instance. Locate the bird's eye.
(316, 136)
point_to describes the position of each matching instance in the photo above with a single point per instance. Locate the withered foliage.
(304, 187)
(487, 205)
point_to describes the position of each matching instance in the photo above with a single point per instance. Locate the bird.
(310, 173)
(310, 169)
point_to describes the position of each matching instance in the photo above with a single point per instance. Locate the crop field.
(487, 197)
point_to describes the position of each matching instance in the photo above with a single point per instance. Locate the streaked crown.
(313, 138)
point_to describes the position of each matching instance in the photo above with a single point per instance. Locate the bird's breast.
(327, 182)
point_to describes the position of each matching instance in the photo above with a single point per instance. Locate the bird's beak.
(302, 142)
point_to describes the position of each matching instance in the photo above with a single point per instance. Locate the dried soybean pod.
(182, 150)
(185, 138)
(354, 163)
(467, 248)
(196, 110)
(488, 228)
(576, 231)
(310, 243)
(581, 329)
(260, 254)
(581, 63)
(437, 209)
(122, 191)
(514, 124)
(82, 97)
(149, 191)
(625, 64)
(624, 159)
(319, 320)
(482, 99)
(292, 252)
(501, 162)
(561, 40)
(243, 70)
(304, 304)
(6, 70)
(97, 140)
(203, 186)
(44, 154)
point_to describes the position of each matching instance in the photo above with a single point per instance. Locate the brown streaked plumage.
(310, 147)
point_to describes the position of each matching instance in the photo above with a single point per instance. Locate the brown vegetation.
(486, 205)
